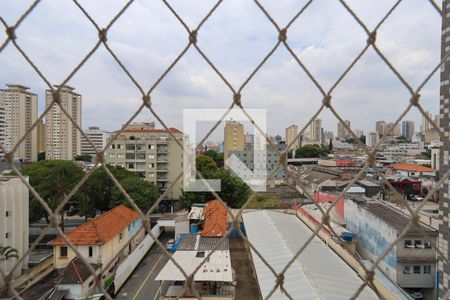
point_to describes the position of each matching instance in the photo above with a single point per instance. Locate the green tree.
(7, 253)
(144, 193)
(53, 180)
(233, 190)
(41, 156)
(84, 157)
(362, 138)
(427, 153)
(205, 163)
(310, 151)
(216, 156)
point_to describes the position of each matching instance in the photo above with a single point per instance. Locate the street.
(141, 284)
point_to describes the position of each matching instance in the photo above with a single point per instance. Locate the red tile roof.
(411, 167)
(216, 219)
(101, 229)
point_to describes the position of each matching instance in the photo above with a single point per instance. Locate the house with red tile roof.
(101, 238)
(414, 170)
(216, 219)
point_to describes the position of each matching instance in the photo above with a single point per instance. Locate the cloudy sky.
(147, 38)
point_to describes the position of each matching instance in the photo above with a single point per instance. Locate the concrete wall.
(373, 237)
(416, 280)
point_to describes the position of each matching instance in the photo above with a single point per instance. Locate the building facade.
(315, 131)
(234, 138)
(63, 140)
(291, 135)
(444, 124)
(41, 136)
(14, 201)
(372, 139)
(98, 137)
(19, 114)
(150, 153)
(380, 128)
(2, 127)
(408, 129)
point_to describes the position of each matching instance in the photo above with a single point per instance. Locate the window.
(90, 251)
(151, 147)
(408, 244)
(130, 155)
(417, 269)
(151, 156)
(7, 213)
(407, 270)
(120, 155)
(151, 166)
(200, 254)
(7, 235)
(111, 155)
(120, 236)
(427, 244)
(427, 269)
(419, 244)
(63, 252)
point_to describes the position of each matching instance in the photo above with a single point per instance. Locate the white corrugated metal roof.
(318, 273)
(217, 268)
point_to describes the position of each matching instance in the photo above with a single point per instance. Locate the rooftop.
(411, 167)
(216, 219)
(394, 217)
(101, 229)
(190, 242)
(76, 272)
(317, 273)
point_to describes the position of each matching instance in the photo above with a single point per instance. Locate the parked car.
(170, 243)
(415, 294)
(413, 197)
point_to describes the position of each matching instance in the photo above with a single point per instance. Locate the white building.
(63, 140)
(19, 112)
(408, 129)
(97, 136)
(14, 201)
(371, 139)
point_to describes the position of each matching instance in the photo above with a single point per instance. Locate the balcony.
(161, 150)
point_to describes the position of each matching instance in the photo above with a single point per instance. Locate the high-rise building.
(63, 140)
(150, 153)
(41, 136)
(98, 137)
(408, 129)
(315, 130)
(233, 137)
(395, 131)
(290, 135)
(342, 132)
(2, 127)
(444, 191)
(358, 132)
(426, 125)
(19, 114)
(372, 139)
(380, 128)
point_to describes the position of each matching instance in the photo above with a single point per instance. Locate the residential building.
(372, 139)
(14, 203)
(411, 263)
(63, 140)
(408, 129)
(395, 131)
(380, 128)
(358, 132)
(315, 131)
(250, 162)
(342, 132)
(101, 238)
(19, 114)
(426, 125)
(233, 137)
(435, 153)
(98, 137)
(2, 127)
(291, 134)
(412, 170)
(150, 153)
(41, 136)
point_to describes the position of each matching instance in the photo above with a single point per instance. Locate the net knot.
(56, 97)
(100, 157)
(11, 33)
(280, 279)
(193, 37)
(102, 35)
(415, 99)
(237, 99)
(282, 36)
(327, 101)
(372, 38)
(147, 100)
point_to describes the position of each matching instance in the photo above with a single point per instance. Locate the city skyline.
(364, 94)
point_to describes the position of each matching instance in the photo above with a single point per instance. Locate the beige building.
(315, 131)
(151, 153)
(291, 134)
(342, 132)
(233, 137)
(63, 140)
(41, 136)
(98, 137)
(2, 127)
(14, 199)
(19, 114)
(395, 131)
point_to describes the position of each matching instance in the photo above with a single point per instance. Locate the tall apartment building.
(98, 137)
(315, 130)
(426, 125)
(234, 138)
(19, 114)
(372, 139)
(63, 140)
(2, 127)
(444, 124)
(395, 131)
(151, 153)
(41, 136)
(380, 128)
(291, 135)
(342, 132)
(408, 129)
(14, 199)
